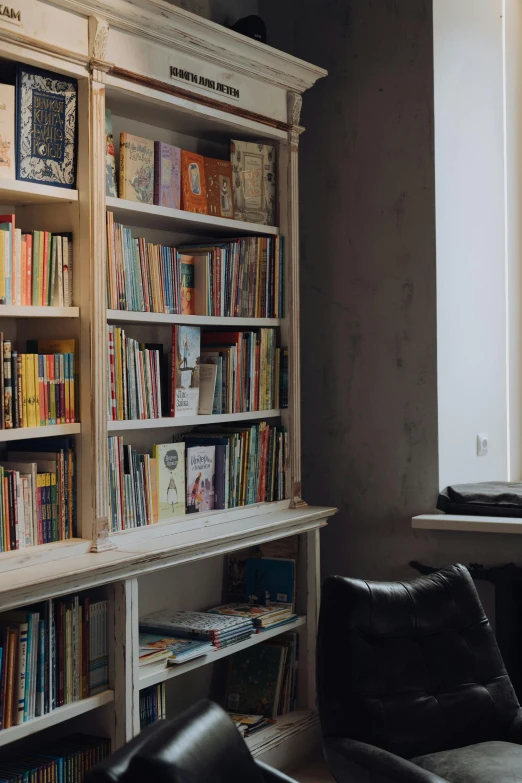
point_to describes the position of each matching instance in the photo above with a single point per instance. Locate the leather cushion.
(487, 762)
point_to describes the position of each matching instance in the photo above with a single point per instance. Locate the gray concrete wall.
(368, 283)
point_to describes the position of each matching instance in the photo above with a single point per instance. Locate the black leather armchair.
(201, 746)
(411, 685)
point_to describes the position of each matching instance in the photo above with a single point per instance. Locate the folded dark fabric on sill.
(485, 499)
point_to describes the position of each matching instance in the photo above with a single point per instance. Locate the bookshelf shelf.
(51, 431)
(131, 317)
(58, 715)
(163, 673)
(292, 726)
(14, 311)
(190, 421)
(21, 193)
(150, 216)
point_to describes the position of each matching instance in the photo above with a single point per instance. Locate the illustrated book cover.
(270, 579)
(136, 168)
(167, 175)
(254, 173)
(186, 348)
(220, 196)
(187, 284)
(178, 648)
(7, 131)
(207, 386)
(254, 680)
(110, 161)
(170, 467)
(194, 192)
(201, 469)
(46, 127)
(182, 622)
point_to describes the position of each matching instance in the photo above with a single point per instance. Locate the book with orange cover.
(194, 191)
(218, 180)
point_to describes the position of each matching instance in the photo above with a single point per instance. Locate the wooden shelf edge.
(16, 311)
(44, 553)
(137, 317)
(27, 433)
(189, 421)
(286, 727)
(22, 192)
(59, 715)
(163, 673)
(469, 524)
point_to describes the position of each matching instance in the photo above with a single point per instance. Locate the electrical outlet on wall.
(482, 444)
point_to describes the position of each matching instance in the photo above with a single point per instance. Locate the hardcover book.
(170, 466)
(218, 179)
(167, 175)
(193, 182)
(187, 284)
(193, 624)
(110, 162)
(136, 168)
(46, 122)
(272, 579)
(186, 342)
(200, 478)
(253, 167)
(254, 680)
(7, 131)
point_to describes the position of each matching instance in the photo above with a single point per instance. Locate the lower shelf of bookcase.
(59, 715)
(190, 421)
(296, 726)
(45, 553)
(154, 674)
(28, 433)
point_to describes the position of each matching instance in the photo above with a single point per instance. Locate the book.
(193, 187)
(170, 467)
(152, 705)
(186, 264)
(200, 478)
(110, 161)
(134, 378)
(199, 625)
(186, 342)
(7, 131)
(255, 677)
(261, 616)
(167, 175)
(220, 195)
(136, 168)
(46, 127)
(207, 387)
(177, 648)
(272, 579)
(253, 167)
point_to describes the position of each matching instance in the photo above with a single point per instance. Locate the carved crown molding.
(183, 31)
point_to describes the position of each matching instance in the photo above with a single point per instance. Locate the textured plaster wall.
(368, 284)
(220, 11)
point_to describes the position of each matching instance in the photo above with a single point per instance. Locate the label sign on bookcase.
(204, 82)
(8, 14)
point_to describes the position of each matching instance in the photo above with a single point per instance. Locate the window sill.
(467, 524)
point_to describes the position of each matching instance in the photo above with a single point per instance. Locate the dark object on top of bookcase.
(201, 744)
(251, 26)
(46, 127)
(449, 704)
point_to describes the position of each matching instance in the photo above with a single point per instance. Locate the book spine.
(8, 390)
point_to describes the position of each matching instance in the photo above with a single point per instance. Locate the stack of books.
(134, 378)
(38, 494)
(248, 725)
(152, 705)
(66, 760)
(159, 648)
(201, 626)
(35, 268)
(50, 655)
(264, 618)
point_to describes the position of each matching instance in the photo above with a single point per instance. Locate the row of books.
(152, 705)
(50, 655)
(66, 760)
(209, 470)
(235, 372)
(38, 494)
(152, 172)
(241, 277)
(35, 267)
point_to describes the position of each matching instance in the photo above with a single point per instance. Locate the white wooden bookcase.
(122, 53)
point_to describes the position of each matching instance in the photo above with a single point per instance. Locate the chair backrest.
(199, 746)
(411, 667)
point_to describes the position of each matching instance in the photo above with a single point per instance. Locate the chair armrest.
(351, 761)
(271, 775)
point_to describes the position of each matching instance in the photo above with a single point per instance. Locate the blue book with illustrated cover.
(46, 127)
(272, 579)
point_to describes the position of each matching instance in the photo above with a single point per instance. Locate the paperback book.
(170, 466)
(167, 175)
(186, 349)
(136, 168)
(7, 131)
(254, 173)
(200, 478)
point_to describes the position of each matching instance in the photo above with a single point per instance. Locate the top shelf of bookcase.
(150, 216)
(13, 191)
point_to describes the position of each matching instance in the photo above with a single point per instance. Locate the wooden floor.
(313, 772)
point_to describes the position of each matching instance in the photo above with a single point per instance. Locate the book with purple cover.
(167, 175)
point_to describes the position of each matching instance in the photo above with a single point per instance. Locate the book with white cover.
(7, 131)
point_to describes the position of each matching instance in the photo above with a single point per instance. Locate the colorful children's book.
(187, 624)
(186, 264)
(220, 196)
(194, 192)
(167, 175)
(178, 648)
(136, 168)
(110, 162)
(46, 127)
(170, 467)
(272, 579)
(186, 343)
(7, 131)
(254, 174)
(200, 478)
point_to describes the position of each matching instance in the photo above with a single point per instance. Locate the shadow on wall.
(220, 11)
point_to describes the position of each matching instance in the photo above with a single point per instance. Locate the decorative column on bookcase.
(294, 104)
(98, 32)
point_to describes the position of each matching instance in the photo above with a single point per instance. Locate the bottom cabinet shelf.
(59, 715)
(286, 727)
